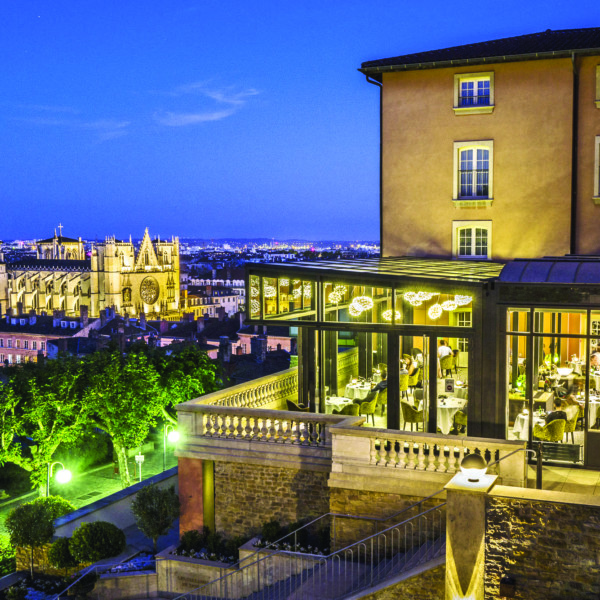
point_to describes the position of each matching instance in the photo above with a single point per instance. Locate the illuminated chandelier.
(449, 305)
(435, 311)
(255, 305)
(269, 291)
(462, 300)
(254, 292)
(359, 305)
(387, 315)
(283, 282)
(417, 298)
(337, 294)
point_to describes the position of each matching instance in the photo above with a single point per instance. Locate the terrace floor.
(567, 479)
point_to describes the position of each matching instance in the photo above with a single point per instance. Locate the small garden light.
(474, 467)
(170, 435)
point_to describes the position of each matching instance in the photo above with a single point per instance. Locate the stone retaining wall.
(247, 496)
(551, 549)
(428, 585)
(370, 504)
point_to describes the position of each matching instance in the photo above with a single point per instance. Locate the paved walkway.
(567, 479)
(95, 484)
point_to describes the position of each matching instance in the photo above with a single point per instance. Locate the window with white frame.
(1, 343)
(9, 343)
(473, 173)
(43, 345)
(472, 240)
(34, 345)
(473, 93)
(18, 357)
(597, 170)
(26, 344)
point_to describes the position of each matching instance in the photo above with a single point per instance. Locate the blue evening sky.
(223, 118)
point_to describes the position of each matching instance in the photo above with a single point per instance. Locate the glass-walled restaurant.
(396, 340)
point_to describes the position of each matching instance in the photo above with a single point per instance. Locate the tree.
(41, 409)
(30, 526)
(97, 540)
(124, 398)
(55, 505)
(59, 555)
(155, 509)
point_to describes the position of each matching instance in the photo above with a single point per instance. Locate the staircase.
(283, 575)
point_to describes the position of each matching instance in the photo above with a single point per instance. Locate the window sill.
(596, 200)
(473, 110)
(472, 202)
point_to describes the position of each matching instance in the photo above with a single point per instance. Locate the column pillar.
(465, 536)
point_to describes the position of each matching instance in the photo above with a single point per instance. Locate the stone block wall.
(40, 561)
(249, 495)
(428, 585)
(371, 504)
(552, 550)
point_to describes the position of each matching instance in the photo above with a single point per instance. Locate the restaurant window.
(1, 358)
(473, 93)
(473, 173)
(18, 359)
(472, 239)
(10, 359)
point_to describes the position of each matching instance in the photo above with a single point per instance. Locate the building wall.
(551, 549)
(428, 585)
(531, 128)
(247, 496)
(588, 213)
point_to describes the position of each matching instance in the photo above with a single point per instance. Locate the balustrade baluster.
(374, 460)
(298, 433)
(231, 428)
(273, 430)
(390, 451)
(452, 459)
(431, 458)
(401, 455)
(411, 455)
(421, 455)
(263, 430)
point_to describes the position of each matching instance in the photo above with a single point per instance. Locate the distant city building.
(115, 275)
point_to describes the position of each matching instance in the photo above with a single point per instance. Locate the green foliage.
(59, 554)
(155, 509)
(30, 525)
(193, 540)
(209, 543)
(96, 450)
(16, 592)
(55, 505)
(272, 531)
(7, 556)
(94, 541)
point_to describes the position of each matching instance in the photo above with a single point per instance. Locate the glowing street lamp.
(171, 437)
(62, 476)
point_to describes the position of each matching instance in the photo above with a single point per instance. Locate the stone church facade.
(63, 277)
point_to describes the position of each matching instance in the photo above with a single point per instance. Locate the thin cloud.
(106, 129)
(226, 102)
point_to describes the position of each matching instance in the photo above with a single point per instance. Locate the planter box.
(126, 586)
(180, 574)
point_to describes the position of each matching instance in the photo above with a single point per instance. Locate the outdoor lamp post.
(170, 434)
(62, 476)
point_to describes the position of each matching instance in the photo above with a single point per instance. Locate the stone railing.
(257, 426)
(270, 391)
(381, 452)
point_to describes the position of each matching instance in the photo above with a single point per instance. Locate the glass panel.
(453, 381)
(287, 298)
(517, 319)
(518, 404)
(254, 297)
(350, 303)
(355, 373)
(413, 383)
(565, 322)
(420, 307)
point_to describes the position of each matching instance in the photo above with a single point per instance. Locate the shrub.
(95, 541)
(209, 545)
(272, 531)
(193, 540)
(155, 509)
(60, 555)
(55, 505)
(16, 592)
(7, 556)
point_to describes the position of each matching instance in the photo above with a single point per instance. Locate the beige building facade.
(527, 130)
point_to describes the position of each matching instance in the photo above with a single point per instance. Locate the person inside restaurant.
(557, 413)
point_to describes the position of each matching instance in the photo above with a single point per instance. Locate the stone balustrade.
(270, 391)
(362, 451)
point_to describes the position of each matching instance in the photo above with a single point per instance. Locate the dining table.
(521, 426)
(460, 391)
(357, 390)
(446, 409)
(337, 402)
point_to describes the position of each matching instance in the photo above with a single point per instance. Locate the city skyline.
(213, 120)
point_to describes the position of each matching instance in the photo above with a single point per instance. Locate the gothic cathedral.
(62, 277)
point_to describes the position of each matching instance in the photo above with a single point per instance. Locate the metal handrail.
(97, 568)
(375, 554)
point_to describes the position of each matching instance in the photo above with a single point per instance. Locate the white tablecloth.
(459, 392)
(576, 365)
(595, 382)
(594, 407)
(446, 412)
(336, 402)
(521, 426)
(357, 391)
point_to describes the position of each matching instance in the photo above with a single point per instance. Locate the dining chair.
(403, 384)
(574, 413)
(349, 409)
(369, 405)
(295, 407)
(552, 432)
(446, 364)
(383, 400)
(411, 415)
(413, 380)
(460, 422)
